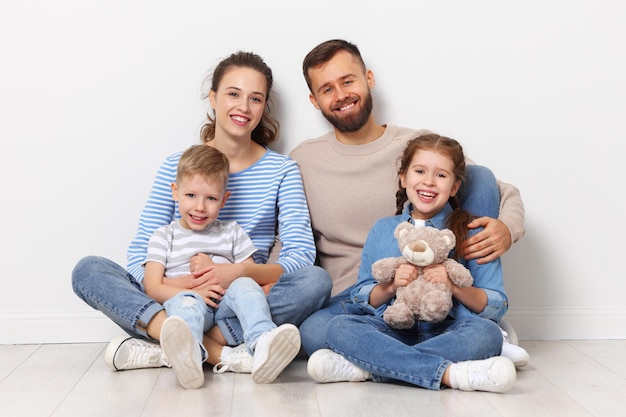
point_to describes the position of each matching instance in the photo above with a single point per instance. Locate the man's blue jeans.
(479, 195)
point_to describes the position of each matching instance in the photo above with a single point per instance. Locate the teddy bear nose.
(417, 246)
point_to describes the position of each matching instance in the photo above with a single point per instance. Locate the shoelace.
(344, 368)
(237, 357)
(479, 376)
(148, 353)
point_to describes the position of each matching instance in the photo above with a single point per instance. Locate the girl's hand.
(438, 274)
(405, 274)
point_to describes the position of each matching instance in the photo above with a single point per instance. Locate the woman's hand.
(211, 294)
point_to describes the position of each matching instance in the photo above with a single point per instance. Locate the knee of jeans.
(83, 272)
(243, 283)
(322, 277)
(186, 300)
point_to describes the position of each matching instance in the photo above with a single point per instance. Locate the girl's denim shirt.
(381, 243)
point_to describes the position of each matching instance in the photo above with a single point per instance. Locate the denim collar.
(436, 221)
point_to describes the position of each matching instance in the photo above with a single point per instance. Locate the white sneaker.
(274, 351)
(324, 365)
(183, 351)
(126, 352)
(510, 331)
(515, 353)
(495, 374)
(239, 360)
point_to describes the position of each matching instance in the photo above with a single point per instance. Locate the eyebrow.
(328, 83)
(239, 89)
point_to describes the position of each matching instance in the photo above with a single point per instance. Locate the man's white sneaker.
(324, 365)
(239, 360)
(183, 351)
(126, 352)
(515, 353)
(508, 328)
(495, 374)
(274, 351)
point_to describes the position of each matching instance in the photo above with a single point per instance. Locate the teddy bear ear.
(402, 229)
(449, 237)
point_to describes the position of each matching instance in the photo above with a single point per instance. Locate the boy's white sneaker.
(274, 351)
(239, 360)
(184, 352)
(496, 374)
(324, 365)
(125, 352)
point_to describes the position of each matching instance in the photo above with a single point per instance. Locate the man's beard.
(354, 122)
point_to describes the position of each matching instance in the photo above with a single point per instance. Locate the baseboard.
(568, 323)
(56, 327)
(529, 323)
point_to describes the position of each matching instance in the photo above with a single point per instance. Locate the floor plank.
(582, 378)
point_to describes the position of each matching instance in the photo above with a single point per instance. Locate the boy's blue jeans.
(109, 288)
(244, 300)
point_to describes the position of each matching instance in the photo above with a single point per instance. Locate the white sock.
(226, 350)
(452, 376)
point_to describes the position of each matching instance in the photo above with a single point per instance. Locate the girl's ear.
(402, 179)
(455, 188)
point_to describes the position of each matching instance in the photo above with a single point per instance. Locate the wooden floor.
(564, 378)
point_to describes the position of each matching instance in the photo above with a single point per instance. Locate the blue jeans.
(244, 299)
(479, 194)
(417, 356)
(191, 307)
(292, 299)
(109, 288)
(313, 328)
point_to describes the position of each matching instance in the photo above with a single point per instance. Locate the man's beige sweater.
(349, 187)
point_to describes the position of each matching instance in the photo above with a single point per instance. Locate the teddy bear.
(421, 299)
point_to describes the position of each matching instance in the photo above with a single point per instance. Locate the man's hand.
(488, 244)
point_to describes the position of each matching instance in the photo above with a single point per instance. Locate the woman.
(267, 200)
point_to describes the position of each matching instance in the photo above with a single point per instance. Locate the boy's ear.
(174, 191)
(226, 195)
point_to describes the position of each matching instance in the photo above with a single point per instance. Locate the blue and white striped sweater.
(264, 196)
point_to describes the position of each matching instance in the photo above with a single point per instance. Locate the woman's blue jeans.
(109, 288)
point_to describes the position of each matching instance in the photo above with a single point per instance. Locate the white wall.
(93, 95)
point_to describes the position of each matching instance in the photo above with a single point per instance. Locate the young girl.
(459, 352)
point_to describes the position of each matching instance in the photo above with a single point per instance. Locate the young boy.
(200, 191)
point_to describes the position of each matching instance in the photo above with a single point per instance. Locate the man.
(350, 179)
